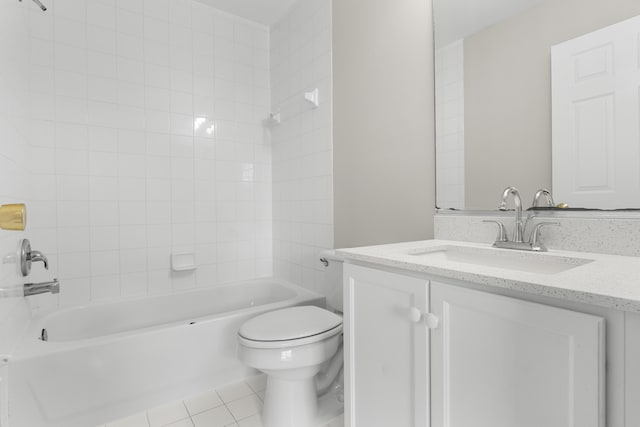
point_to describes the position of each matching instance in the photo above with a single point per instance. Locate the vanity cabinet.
(632, 369)
(386, 349)
(420, 353)
(503, 362)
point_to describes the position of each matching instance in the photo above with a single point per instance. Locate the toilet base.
(329, 406)
(290, 403)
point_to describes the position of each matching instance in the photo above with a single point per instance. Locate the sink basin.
(530, 262)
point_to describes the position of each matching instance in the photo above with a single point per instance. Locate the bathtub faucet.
(41, 288)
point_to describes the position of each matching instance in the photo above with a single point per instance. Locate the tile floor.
(237, 405)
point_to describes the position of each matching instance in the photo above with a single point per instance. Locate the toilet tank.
(331, 286)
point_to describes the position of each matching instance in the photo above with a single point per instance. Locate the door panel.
(386, 353)
(504, 362)
(596, 118)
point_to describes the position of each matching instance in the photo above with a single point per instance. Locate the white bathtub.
(106, 361)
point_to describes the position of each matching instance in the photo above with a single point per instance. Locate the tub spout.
(41, 288)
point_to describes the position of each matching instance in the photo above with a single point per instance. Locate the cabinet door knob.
(432, 321)
(415, 315)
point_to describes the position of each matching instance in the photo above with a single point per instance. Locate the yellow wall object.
(13, 217)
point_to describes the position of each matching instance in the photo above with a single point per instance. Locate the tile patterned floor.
(237, 405)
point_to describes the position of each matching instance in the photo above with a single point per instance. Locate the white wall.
(383, 121)
(14, 173)
(302, 142)
(147, 140)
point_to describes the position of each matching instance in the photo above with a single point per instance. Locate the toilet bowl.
(291, 346)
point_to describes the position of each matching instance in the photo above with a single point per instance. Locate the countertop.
(611, 281)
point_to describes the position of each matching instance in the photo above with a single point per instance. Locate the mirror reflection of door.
(596, 120)
(493, 99)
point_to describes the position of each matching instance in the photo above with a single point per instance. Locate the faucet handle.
(547, 195)
(36, 256)
(535, 234)
(27, 256)
(502, 232)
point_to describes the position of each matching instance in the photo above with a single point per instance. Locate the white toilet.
(291, 346)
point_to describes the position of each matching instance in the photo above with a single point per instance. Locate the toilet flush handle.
(430, 320)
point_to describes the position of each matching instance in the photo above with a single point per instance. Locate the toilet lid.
(290, 324)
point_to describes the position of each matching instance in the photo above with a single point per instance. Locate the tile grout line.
(184, 405)
(224, 403)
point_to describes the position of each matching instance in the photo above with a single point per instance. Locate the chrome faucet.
(534, 244)
(518, 227)
(547, 194)
(41, 288)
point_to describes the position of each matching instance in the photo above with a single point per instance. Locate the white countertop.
(607, 280)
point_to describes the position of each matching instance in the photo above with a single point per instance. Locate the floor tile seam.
(203, 410)
(193, 423)
(181, 419)
(234, 400)
(232, 416)
(223, 404)
(173, 422)
(252, 388)
(244, 418)
(237, 421)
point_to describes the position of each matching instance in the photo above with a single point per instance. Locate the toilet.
(291, 346)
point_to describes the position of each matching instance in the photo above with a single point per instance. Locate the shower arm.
(40, 5)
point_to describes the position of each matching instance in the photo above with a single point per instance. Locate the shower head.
(40, 5)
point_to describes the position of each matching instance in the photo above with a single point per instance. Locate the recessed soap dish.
(183, 261)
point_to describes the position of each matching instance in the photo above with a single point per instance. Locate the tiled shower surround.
(14, 169)
(148, 138)
(302, 143)
(136, 128)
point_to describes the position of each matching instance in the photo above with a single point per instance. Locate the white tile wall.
(135, 128)
(449, 76)
(14, 174)
(147, 139)
(302, 143)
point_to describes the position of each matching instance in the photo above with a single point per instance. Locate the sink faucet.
(543, 192)
(41, 288)
(518, 226)
(518, 242)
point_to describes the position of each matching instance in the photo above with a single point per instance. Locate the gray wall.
(508, 95)
(384, 180)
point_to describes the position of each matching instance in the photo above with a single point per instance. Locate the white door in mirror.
(595, 118)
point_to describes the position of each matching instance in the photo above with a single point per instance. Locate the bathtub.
(105, 361)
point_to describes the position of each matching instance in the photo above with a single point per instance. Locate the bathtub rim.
(29, 346)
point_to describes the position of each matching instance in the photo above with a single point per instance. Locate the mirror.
(494, 93)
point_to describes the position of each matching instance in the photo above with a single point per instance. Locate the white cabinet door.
(386, 354)
(632, 369)
(595, 118)
(504, 362)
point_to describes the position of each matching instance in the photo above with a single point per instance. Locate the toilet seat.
(290, 327)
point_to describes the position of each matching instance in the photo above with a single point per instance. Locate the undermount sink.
(530, 262)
